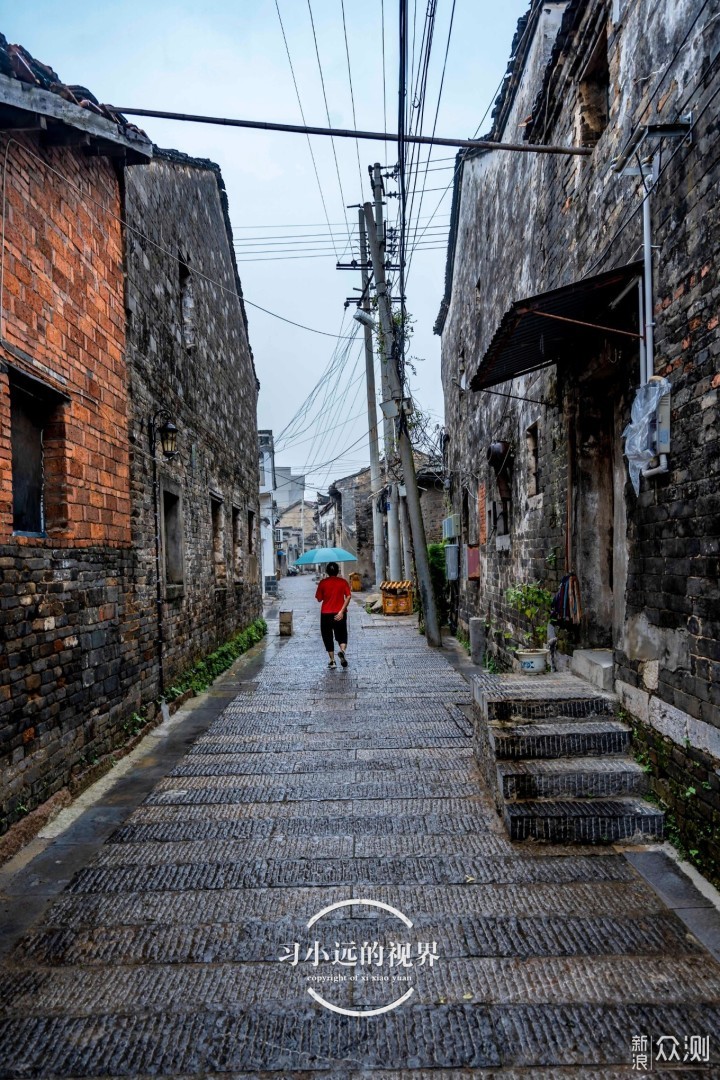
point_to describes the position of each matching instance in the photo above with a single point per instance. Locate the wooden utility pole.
(422, 562)
(378, 525)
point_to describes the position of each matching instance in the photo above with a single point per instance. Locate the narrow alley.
(183, 946)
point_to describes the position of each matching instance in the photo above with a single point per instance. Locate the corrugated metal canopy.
(534, 333)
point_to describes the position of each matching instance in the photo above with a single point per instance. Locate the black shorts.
(329, 627)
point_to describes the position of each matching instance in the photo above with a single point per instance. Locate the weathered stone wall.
(356, 524)
(585, 218)
(528, 223)
(70, 666)
(196, 365)
(432, 506)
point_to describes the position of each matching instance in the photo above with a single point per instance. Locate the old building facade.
(544, 344)
(79, 385)
(190, 362)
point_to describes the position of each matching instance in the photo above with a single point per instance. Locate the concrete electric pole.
(378, 526)
(422, 563)
(376, 232)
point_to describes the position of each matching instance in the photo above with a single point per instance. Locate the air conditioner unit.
(452, 562)
(451, 527)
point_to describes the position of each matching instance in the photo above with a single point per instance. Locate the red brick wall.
(63, 306)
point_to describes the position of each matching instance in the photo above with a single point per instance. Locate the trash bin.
(397, 597)
(355, 581)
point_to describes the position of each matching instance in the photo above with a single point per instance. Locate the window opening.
(173, 538)
(594, 95)
(236, 542)
(531, 438)
(218, 540)
(187, 306)
(251, 531)
(36, 438)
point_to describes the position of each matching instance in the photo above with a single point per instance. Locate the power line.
(327, 113)
(173, 254)
(326, 255)
(294, 225)
(634, 209)
(282, 238)
(352, 94)
(302, 114)
(458, 166)
(303, 410)
(437, 113)
(382, 24)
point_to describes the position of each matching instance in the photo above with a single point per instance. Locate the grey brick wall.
(79, 624)
(209, 389)
(530, 223)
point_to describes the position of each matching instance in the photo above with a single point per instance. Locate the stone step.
(559, 738)
(594, 666)
(584, 821)
(582, 777)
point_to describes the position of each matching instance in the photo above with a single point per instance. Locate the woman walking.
(334, 594)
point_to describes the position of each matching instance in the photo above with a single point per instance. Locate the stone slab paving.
(356, 788)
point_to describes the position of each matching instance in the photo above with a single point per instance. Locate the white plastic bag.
(638, 448)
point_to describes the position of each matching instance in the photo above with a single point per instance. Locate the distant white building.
(289, 486)
(268, 484)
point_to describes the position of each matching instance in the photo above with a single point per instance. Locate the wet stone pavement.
(182, 948)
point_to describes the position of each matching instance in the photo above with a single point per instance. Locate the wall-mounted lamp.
(161, 425)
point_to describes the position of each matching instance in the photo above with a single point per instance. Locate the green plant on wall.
(436, 557)
(533, 602)
(199, 677)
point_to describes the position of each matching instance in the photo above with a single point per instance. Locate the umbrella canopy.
(325, 555)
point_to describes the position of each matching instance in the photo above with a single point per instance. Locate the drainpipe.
(648, 352)
(160, 639)
(649, 328)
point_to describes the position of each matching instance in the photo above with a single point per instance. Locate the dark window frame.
(37, 435)
(172, 513)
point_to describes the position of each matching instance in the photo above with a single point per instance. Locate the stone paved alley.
(161, 957)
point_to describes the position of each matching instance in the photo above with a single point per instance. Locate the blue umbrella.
(325, 555)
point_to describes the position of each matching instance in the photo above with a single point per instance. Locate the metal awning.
(539, 330)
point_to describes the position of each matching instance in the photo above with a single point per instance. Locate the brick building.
(344, 516)
(541, 246)
(296, 530)
(78, 611)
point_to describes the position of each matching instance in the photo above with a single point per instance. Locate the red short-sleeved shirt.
(332, 591)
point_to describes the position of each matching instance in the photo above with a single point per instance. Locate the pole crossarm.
(348, 133)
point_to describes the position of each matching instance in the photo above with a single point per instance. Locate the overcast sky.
(229, 59)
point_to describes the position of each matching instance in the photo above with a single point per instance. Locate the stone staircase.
(557, 760)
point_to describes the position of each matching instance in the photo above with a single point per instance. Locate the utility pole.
(377, 234)
(378, 526)
(405, 533)
(302, 519)
(422, 563)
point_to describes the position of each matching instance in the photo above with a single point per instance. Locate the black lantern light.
(168, 439)
(162, 426)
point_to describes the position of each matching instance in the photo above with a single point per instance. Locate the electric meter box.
(452, 562)
(662, 421)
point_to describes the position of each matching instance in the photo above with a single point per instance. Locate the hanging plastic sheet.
(639, 450)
